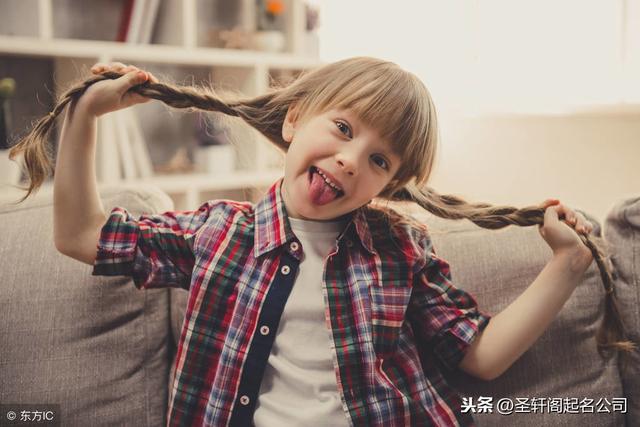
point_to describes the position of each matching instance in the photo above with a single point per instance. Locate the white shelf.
(176, 184)
(162, 54)
(180, 183)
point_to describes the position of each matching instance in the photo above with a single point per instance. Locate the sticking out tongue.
(320, 192)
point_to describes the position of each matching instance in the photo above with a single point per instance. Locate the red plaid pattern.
(396, 319)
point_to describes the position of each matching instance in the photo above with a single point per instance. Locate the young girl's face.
(334, 165)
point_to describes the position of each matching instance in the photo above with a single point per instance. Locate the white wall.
(589, 161)
(542, 59)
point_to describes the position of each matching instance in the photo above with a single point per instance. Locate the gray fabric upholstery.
(496, 266)
(102, 349)
(95, 345)
(622, 230)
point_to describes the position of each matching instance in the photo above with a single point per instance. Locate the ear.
(289, 124)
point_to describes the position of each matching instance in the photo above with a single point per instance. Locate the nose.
(347, 162)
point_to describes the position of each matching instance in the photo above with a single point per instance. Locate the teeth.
(328, 181)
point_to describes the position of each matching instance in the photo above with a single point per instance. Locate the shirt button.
(285, 270)
(264, 330)
(349, 243)
(294, 246)
(244, 400)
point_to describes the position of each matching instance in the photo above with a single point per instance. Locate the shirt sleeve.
(443, 316)
(156, 250)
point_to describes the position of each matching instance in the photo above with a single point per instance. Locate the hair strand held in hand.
(611, 334)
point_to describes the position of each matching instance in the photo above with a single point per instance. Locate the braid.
(266, 113)
(611, 334)
(268, 121)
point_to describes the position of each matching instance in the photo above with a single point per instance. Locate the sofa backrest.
(622, 230)
(563, 368)
(96, 346)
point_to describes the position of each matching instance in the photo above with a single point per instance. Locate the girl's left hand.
(561, 235)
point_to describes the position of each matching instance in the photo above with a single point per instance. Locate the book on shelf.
(137, 21)
(139, 149)
(123, 152)
(123, 142)
(125, 20)
(148, 22)
(107, 165)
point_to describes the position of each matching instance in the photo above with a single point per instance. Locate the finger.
(578, 221)
(129, 68)
(152, 78)
(549, 202)
(98, 67)
(101, 67)
(551, 214)
(132, 78)
(577, 218)
(116, 65)
(566, 214)
(583, 225)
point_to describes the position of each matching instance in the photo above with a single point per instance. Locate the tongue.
(320, 191)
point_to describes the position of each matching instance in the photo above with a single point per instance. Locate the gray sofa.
(103, 350)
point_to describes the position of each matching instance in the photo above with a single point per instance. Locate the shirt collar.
(272, 228)
(361, 225)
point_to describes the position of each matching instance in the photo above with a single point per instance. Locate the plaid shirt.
(395, 317)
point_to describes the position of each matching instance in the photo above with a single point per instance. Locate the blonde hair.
(384, 96)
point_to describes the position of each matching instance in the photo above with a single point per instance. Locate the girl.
(315, 305)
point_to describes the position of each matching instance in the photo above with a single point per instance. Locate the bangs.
(394, 109)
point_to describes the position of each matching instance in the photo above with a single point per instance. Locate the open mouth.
(338, 191)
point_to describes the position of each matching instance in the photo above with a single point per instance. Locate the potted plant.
(269, 24)
(215, 153)
(9, 170)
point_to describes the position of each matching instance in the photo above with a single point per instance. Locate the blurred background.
(535, 99)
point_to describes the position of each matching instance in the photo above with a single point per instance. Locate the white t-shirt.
(299, 387)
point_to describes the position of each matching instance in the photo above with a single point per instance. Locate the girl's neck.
(335, 224)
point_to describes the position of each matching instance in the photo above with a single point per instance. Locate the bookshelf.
(50, 32)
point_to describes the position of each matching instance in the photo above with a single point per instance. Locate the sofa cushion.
(622, 230)
(95, 345)
(496, 266)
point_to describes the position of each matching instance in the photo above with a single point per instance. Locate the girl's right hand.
(111, 95)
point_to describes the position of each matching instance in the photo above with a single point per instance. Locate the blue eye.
(378, 160)
(344, 126)
(383, 163)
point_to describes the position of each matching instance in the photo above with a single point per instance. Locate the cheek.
(380, 187)
(304, 152)
(295, 160)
